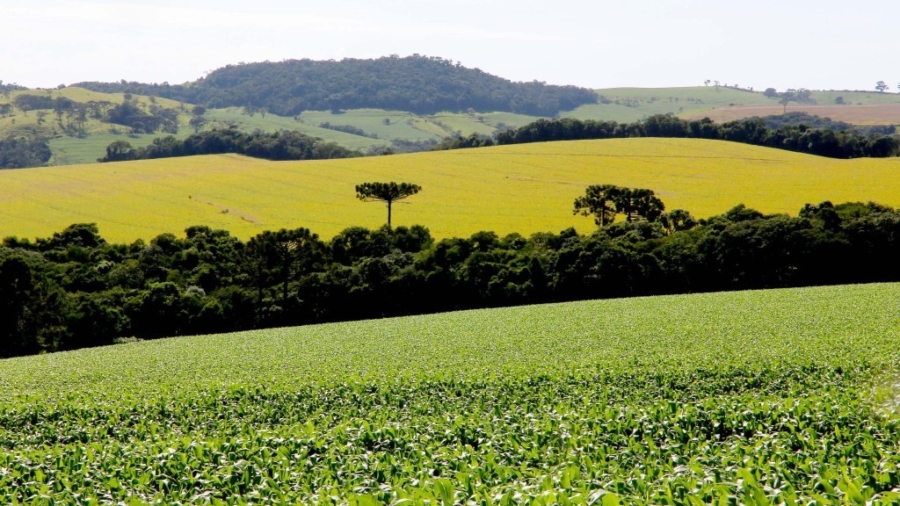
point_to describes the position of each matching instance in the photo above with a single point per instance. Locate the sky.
(821, 44)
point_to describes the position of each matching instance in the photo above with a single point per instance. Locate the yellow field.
(525, 188)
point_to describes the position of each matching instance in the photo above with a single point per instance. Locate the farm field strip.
(523, 188)
(742, 397)
(881, 114)
(725, 104)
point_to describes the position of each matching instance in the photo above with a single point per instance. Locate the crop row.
(735, 398)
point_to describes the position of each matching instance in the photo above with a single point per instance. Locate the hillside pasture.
(627, 105)
(727, 104)
(382, 126)
(82, 95)
(386, 125)
(767, 397)
(881, 114)
(520, 188)
(224, 118)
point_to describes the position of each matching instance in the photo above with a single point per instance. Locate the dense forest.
(282, 145)
(419, 84)
(75, 290)
(800, 138)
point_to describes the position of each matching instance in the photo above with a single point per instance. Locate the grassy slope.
(744, 398)
(405, 126)
(219, 118)
(634, 104)
(856, 97)
(72, 150)
(523, 188)
(412, 127)
(629, 104)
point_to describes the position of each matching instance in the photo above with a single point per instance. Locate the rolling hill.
(419, 84)
(373, 129)
(520, 188)
(381, 128)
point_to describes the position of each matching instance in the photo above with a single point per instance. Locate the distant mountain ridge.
(419, 84)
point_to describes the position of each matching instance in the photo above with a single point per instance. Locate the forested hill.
(419, 84)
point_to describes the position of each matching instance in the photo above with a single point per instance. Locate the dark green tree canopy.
(607, 201)
(74, 290)
(283, 145)
(386, 192)
(791, 132)
(420, 84)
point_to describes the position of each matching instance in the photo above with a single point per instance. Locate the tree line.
(800, 138)
(17, 152)
(419, 84)
(9, 87)
(283, 145)
(797, 118)
(74, 289)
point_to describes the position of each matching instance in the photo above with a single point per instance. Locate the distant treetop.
(419, 84)
(7, 87)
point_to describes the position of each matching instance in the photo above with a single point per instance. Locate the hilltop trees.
(881, 86)
(419, 84)
(5, 88)
(386, 192)
(607, 201)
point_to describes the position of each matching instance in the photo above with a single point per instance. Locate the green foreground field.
(767, 397)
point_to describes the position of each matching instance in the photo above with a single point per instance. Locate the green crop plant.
(732, 398)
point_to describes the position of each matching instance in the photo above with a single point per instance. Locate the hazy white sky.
(821, 44)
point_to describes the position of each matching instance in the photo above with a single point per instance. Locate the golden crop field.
(523, 188)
